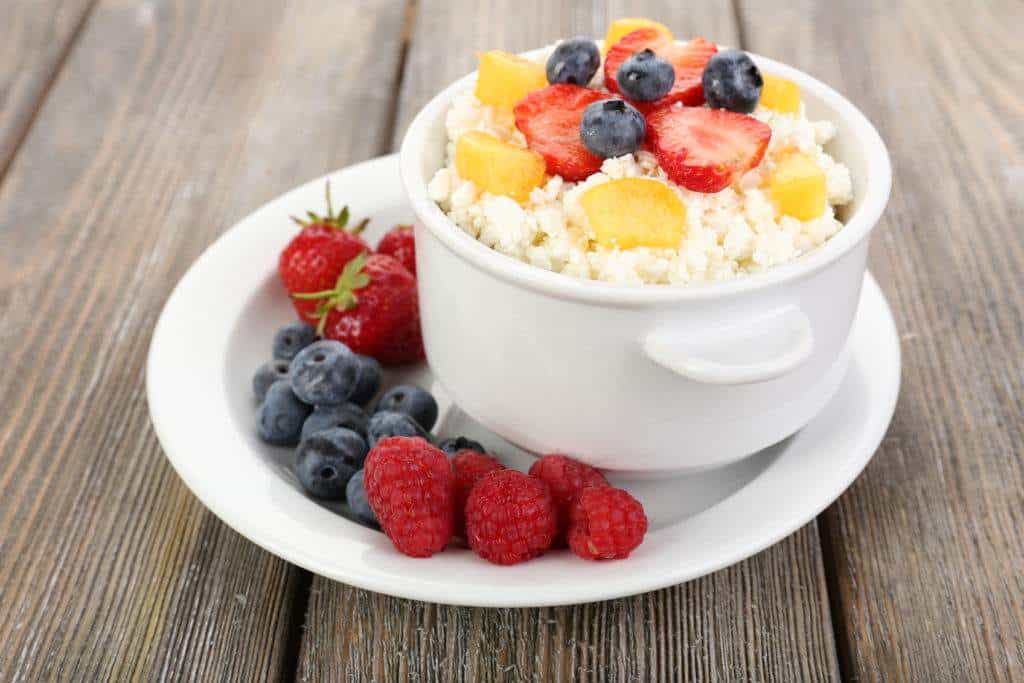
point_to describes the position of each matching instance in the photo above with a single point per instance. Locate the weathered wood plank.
(928, 546)
(169, 121)
(764, 619)
(35, 36)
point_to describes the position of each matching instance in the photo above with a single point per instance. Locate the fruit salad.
(369, 446)
(654, 161)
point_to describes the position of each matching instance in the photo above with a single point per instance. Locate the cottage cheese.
(728, 234)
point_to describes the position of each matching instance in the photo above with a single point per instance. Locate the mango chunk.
(635, 212)
(797, 185)
(781, 95)
(505, 78)
(498, 167)
(619, 28)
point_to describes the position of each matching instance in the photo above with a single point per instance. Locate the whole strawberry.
(411, 490)
(315, 257)
(373, 308)
(400, 243)
(510, 517)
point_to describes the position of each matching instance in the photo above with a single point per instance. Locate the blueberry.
(292, 338)
(281, 415)
(370, 377)
(387, 423)
(574, 61)
(732, 81)
(355, 494)
(411, 400)
(267, 374)
(645, 77)
(611, 128)
(460, 443)
(325, 462)
(324, 373)
(347, 415)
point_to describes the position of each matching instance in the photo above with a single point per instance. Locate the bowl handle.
(756, 351)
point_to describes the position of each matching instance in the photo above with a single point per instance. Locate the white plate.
(216, 329)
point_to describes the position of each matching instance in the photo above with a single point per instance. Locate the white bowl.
(642, 378)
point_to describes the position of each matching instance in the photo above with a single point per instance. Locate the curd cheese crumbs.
(728, 233)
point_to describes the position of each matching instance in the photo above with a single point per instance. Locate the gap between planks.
(37, 106)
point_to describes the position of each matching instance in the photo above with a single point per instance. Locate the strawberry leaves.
(343, 296)
(334, 221)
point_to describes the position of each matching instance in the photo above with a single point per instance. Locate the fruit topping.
(411, 490)
(400, 243)
(267, 374)
(325, 461)
(565, 478)
(611, 128)
(498, 167)
(573, 61)
(635, 212)
(368, 383)
(355, 496)
(550, 120)
(291, 339)
(315, 257)
(410, 399)
(687, 59)
(387, 423)
(797, 185)
(280, 415)
(705, 150)
(645, 77)
(460, 443)
(619, 28)
(373, 308)
(781, 95)
(324, 373)
(732, 81)
(510, 517)
(505, 78)
(469, 467)
(605, 524)
(346, 415)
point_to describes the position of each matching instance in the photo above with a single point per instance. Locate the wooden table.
(133, 132)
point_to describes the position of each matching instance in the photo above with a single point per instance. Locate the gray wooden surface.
(133, 132)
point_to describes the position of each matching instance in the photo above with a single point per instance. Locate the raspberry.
(469, 466)
(411, 490)
(565, 478)
(510, 517)
(605, 524)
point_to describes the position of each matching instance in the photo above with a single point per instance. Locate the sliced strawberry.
(704, 150)
(550, 120)
(688, 59)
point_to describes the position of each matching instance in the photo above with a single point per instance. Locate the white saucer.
(216, 329)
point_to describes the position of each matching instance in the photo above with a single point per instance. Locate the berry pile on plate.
(358, 310)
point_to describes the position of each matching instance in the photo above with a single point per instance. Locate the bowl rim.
(857, 227)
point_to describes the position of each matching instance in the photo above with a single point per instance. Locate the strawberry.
(688, 60)
(315, 257)
(400, 243)
(550, 120)
(373, 308)
(705, 150)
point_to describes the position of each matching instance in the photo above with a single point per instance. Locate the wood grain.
(765, 619)
(35, 37)
(761, 620)
(927, 545)
(169, 121)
